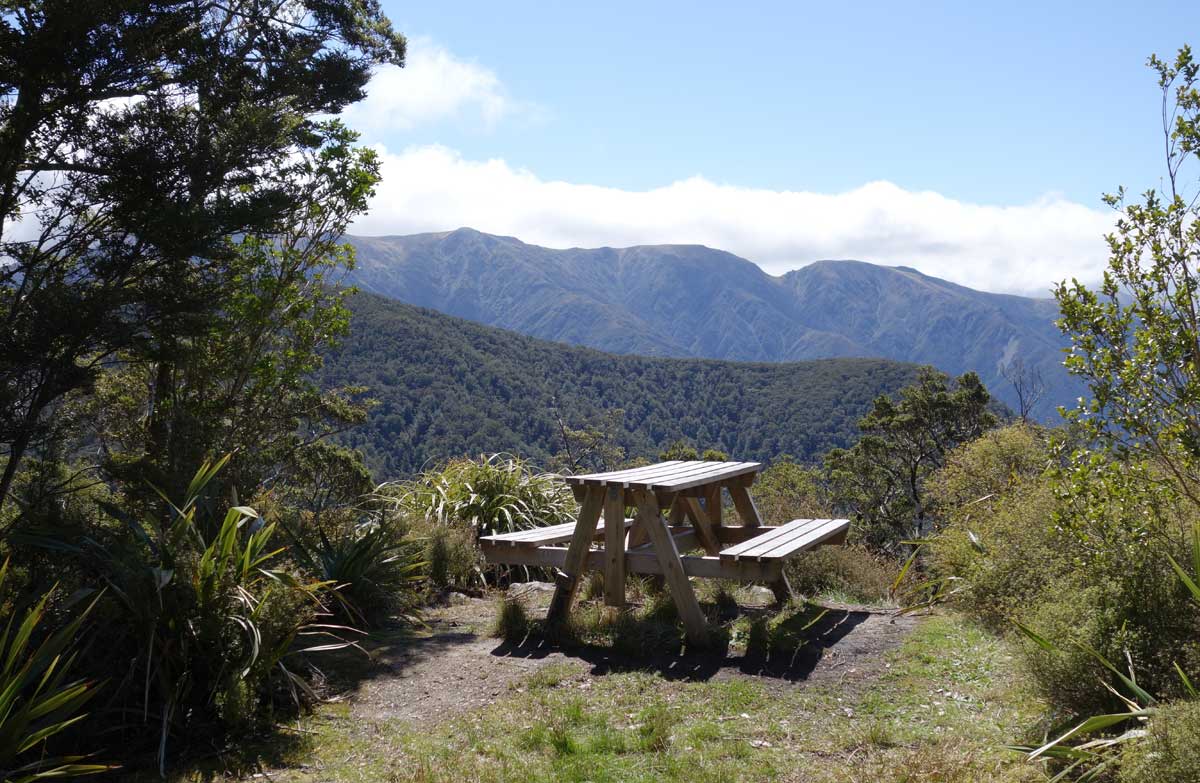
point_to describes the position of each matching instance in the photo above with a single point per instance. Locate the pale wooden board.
(796, 536)
(567, 580)
(614, 547)
(669, 476)
(542, 536)
(668, 557)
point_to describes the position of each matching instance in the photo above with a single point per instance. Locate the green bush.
(373, 565)
(39, 699)
(850, 573)
(201, 618)
(494, 494)
(1170, 750)
(787, 491)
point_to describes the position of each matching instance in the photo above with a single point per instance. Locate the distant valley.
(693, 301)
(448, 387)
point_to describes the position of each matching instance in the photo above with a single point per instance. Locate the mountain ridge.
(693, 301)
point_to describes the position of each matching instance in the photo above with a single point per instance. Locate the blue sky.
(564, 123)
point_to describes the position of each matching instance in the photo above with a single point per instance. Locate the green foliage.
(493, 494)
(1134, 342)
(448, 387)
(203, 616)
(842, 573)
(367, 557)
(881, 478)
(787, 490)
(141, 139)
(1167, 752)
(38, 700)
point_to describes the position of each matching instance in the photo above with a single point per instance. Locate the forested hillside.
(449, 387)
(694, 301)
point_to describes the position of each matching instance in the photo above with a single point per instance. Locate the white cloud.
(433, 85)
(1018, 249)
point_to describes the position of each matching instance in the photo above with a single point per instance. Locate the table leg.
(672, 566)
(567, 580)
(712, 504)
(704, 528)
(745, 506)
(614, 547)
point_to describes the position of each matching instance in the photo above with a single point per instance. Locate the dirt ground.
(454, 666)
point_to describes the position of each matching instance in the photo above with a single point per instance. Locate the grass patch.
(941, 710)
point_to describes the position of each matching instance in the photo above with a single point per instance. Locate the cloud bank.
(1018, 249)
(433, 85)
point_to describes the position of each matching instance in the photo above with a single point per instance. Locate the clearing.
(857, 694)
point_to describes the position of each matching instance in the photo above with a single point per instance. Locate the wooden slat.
(677, 580)
(642, 560)
(568, 578)
(669, 476)
(614, 547)
(543, 536)
(795, 540)
(796, 536)
(618, 476)
(757, 541)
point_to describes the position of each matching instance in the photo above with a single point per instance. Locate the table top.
(667, 476)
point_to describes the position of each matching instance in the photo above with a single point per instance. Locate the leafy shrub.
(368, 559)
(1167, 753)
(37, 700)
(849, 572)
(787, 491)
(453, 557)
(493, 494)
(204, 624)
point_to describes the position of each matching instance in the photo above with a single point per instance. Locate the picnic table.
(678, 508)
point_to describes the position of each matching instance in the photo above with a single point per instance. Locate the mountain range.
(694, 301)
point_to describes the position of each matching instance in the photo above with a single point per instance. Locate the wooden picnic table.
(678, 508)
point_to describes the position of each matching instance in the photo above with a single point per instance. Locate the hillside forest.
(224, 475)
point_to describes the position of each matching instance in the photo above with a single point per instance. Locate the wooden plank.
(796, 536)
(704, 528)
(668, 558)
(757, 541)
(745, 507)
(619, 476)
(614, 547)
(792, 541)
(642, 561)
(813, 538)
(544, 536)
(670, 476)
(707, 473)
(567, 580)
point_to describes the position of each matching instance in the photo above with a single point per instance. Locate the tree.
(1136, 340)
(1028, 385)
(881, 478)
(137, 141)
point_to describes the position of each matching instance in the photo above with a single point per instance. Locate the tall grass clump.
(204, 620)
(455, 503)
(40, 695)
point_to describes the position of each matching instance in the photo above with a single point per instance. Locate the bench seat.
(786, 540)
(540, 536)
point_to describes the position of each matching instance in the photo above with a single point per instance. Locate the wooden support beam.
(712, 504)
(745, 507)
(642, 561)
(668, 557)
(614, 547)
(567, 580)
(704, 528)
